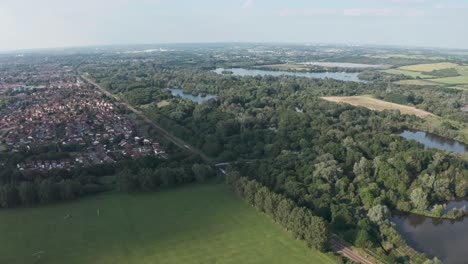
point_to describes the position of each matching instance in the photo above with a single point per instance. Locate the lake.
(445, 239)
(435, 141)
(341, 76)
(343, 64)
(198, 99)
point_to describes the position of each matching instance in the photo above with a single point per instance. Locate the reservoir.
(197, 99)
(341, 76)
(435, 141)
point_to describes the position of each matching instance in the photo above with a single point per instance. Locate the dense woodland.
(331, 167)
(341, 163)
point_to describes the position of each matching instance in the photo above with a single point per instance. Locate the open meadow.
(194, 224)
(376, 104)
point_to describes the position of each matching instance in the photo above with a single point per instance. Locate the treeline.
(147, 179)
(298, 220)
(44, 191)
(147, 173)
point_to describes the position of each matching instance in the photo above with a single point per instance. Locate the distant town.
(72, 118)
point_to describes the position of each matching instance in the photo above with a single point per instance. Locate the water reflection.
(434, 141)
(443, 238)
(198, 99)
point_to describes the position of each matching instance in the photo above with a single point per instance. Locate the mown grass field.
(376, 104)
(195, 224)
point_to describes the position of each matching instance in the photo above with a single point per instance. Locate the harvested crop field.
(376, 104)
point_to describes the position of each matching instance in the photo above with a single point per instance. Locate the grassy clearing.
(163, 103)
(429, 67)
(412, 74)
(194, 224)
(376, 104)
(416, 82)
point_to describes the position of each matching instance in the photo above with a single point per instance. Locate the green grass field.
(196, 224)
(429, 66)
(416, 82)
(412, 74)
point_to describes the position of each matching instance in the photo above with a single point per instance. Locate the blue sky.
(61, 23)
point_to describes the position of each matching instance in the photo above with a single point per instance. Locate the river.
(342, 76)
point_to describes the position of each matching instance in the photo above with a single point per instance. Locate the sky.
(28, 24)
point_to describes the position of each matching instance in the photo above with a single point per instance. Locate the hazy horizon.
(27, 24)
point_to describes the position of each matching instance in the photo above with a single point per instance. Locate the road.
(177, 141)
(344, 250)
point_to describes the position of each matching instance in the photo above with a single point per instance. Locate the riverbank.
(427, 213)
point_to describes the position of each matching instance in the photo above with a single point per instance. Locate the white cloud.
(247, 4)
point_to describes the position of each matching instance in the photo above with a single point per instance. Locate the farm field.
(195, 224)
(412, 74)
(376, 104)
(429, 67)
(419, 71)
(462, 79)
(416, 82)
(452, 80)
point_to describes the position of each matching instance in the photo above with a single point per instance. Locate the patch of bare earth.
(376, 104)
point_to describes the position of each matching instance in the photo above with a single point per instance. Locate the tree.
(68, 189)
(316, 233)
(27, 193)
(285, 207)
(47, 191)
(271, 203)
(419, 199)
(378, 214)
(363, 239)
(327, 168)
(146, 180)
(202, 172)
(260, 198)
(438, 209)
(126, 182)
